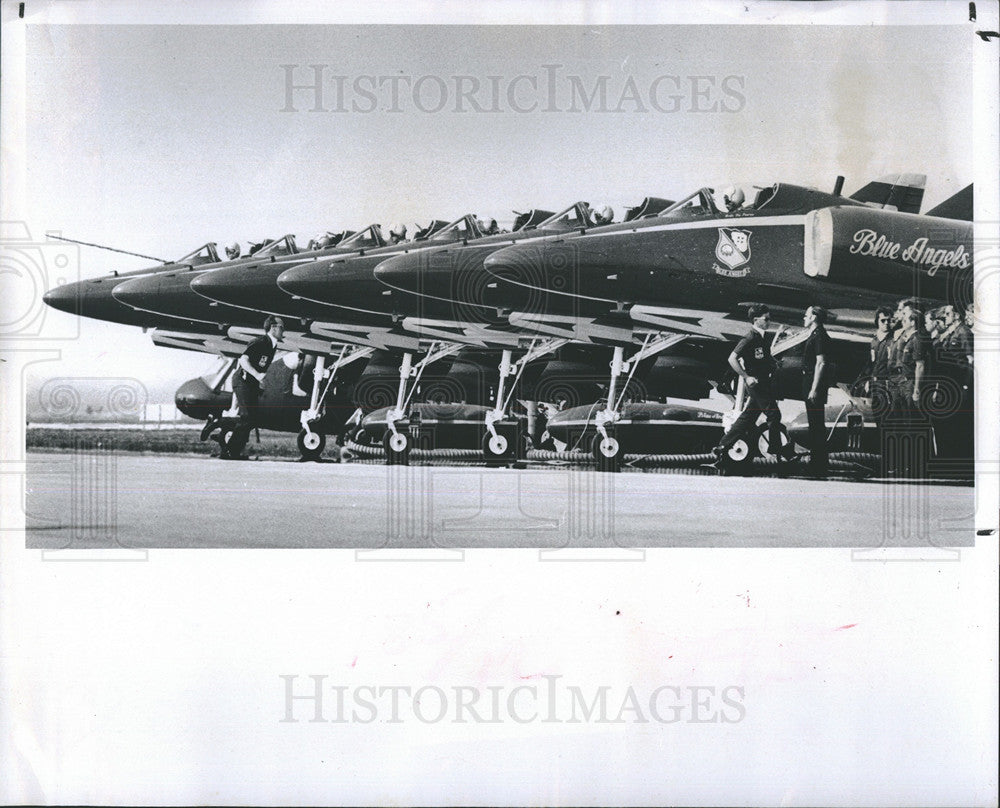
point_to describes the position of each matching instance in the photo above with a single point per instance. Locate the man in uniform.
(233, 250)
(397, 233)
(249, 378)
(752, 361)
(879, 386)
(814, 387)
(907, 417)
(954, 360)
(603, 214)
(733, 198)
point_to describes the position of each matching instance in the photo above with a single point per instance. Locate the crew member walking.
(249, 378)
(752, 361)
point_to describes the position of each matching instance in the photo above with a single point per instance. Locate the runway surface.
(108, 500)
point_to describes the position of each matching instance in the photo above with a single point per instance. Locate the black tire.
(607, 453)
(397, 447)
(311, 444)
(210, 425)
(226, 446)
(763, 447)
(499, 448)
(360, 436)
(524, 446)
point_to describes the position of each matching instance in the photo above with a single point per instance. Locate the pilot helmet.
(233, 249)
(603, 213)
(489, 224)
(398, 230)
(733, 197)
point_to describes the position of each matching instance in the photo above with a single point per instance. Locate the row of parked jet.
(562, 309)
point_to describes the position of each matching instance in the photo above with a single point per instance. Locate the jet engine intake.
(900, 254)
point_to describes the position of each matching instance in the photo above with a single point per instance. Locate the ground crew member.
(907, 418)
(814, 387)
(249, 378)
(878, 385)
(954, 358)
(752, 361)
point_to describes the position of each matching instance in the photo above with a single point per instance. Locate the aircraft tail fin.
(958, 206)
(904, 192)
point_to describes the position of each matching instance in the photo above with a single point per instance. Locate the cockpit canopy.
(365, 239)
(277, 247)
(650, 206)
(328, 240)
(205, 254)
(775, 199)
(432, 231)
(466, 228)
(530, 219)
(575, 217)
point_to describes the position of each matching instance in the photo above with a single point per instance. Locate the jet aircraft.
(540, 283)
(690, 274)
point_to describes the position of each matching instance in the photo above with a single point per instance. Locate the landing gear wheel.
(311, 444)
(764, 445)
(740, 455)
(210, 424)
(607, 453)
(397, 447)
(225, 449)
(497, 447)
(359, 436)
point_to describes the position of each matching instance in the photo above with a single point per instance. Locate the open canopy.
(432, 231)
(529, 220)
(279, 246)
(465, 228)
(575, 217)
(709, 201)
(365, 239)
(205, 254)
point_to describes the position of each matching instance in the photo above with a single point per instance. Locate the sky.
(158, 138)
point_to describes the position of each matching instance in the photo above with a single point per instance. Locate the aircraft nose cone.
(132, 293)
(558, 268)
(64, 298)
(211, 286)
(528, 265)
(454, 275)
(401, 272)
(236, 287)
(311, 282)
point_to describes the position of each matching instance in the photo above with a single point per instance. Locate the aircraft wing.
(218, 344)
(236, 339)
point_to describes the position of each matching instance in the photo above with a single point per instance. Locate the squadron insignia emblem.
(733, 250)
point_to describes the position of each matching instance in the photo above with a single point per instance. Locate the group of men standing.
(921, 384)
